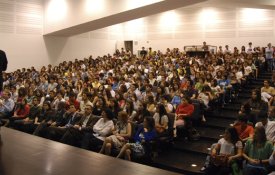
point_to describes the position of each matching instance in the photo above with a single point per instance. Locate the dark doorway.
(128, 45)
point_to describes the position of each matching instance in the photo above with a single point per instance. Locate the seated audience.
(145, 133)
(121, 134)
(102, 129)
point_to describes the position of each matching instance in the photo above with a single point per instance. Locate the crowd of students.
(123, 101)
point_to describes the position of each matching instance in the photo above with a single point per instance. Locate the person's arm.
(239, 152)
(216, 149)
(129, 131)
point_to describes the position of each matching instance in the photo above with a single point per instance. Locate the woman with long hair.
(161, 119)
(145, 133)
(257, 152)
(120, 134)
(225, 154)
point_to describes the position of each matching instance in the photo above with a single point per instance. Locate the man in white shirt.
(268, 125)
(227, 50)
(6, 105)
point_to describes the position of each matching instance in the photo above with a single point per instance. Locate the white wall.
(21, 33)
(193, 25)
(77, 47)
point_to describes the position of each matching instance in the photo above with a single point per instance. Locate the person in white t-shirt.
(226, 152)
(250, 48)
(269, 126)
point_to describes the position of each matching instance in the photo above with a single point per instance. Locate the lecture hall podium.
(199, 51)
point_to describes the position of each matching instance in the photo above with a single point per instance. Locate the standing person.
(3, 66)
(269, 57)
(143, 52)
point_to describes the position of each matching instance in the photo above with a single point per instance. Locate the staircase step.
(218, 123)
(200, 146)
(181, 162)
(227, 114)
(212, 134)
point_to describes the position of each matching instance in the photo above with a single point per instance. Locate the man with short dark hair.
(3, 66)
(143, 52)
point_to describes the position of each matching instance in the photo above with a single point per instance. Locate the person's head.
(46, 105)
(242, 119)
(84, 96)
(6, 94)
(35, 101)
(259, 135)
(149, 122)
(271, 112)
(72, 96)
(256, 95)
(231, 135)
(52, 94)
(123, 116)
(185, 100)
(161, 110)
(107, 114)
(61, 105)
(262, 117)
(88, 110)
(266, 83)
(72, 108)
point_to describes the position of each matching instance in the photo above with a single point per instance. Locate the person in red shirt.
(21, 112)
(72, 100)
(244, 130)
(185, 109)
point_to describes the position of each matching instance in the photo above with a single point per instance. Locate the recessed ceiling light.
(194, 165)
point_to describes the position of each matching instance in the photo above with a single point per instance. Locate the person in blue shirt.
(145, 133)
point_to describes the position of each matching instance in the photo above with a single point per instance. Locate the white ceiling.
(160, 7)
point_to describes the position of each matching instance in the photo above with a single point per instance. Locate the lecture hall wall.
(21, 33)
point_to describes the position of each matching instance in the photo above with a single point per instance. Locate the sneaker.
(203, 169)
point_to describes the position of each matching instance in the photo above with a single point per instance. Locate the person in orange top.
(244, 130)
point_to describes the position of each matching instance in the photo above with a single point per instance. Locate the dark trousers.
(73, 137)
(12, 120)
(55, 133)
(41, 130)
(217, 170)
(90, 142)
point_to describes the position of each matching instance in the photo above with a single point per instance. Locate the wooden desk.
(24, 154)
